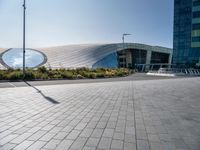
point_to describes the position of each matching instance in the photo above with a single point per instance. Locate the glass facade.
(157, 57)
(139, 56)
(109, 61)
(186, 31)
(128, 58)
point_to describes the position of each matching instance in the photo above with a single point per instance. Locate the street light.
(24, 34)
(125, 34)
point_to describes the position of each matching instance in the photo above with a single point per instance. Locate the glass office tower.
(186, 32)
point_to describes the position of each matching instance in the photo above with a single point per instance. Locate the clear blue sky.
(63, 22)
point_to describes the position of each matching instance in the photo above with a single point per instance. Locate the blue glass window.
(196, 39)
(196, 3)
(196, 26)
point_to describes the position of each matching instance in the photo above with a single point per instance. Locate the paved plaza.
(126, 115)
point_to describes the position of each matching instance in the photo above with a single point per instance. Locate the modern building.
(186, 45)
(92, 56)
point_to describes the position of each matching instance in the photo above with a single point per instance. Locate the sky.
(63, 22)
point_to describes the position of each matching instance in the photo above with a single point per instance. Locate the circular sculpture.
(13, 58)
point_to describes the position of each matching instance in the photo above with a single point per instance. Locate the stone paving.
(129, 115)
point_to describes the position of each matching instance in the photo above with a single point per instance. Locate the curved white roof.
(86, 55)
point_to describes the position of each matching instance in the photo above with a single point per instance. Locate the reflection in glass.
(14, 58)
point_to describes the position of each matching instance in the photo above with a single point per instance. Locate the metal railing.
(167, 69)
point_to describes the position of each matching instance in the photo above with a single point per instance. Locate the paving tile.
(92, 124)
(153, 138)
(21, 130)
(36, 135)
(37, 145)
(67, 129)
(86, 132)
(48, 127)
(105, 143)
(24, 145)
(64, 145)
(61, 135)
(129, 146)
(16, 127)
(34, 129)
(142, 145)
(21, 138)
(55, 129)
(111, 125)
(7, 139)
(89, 148)
(118, 136)
(108, 133)
(73, 135)
(141, 135)
(79, 143)
(101, 125)
(47, 137)
(97, 133)
(117, 144)
(52, 144)
(130, 138)
(5, 133)
(130, 130)
(80, 126)
(103, 116)
(156, 146)
(8, 146)
(92, 142)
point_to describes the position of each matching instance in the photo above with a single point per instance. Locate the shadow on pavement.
(40, 92)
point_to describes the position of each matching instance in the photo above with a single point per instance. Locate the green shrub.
(92, 75)
(15, 75)
(74, 77)
(100, 75)
(120, 74)
(39, 75)
(51, 73)
(57, 76)
(68, 75)
(10, 70)
(80, 73)
(85, 74)
(62, 70)
(29, 74)
(100, 70)
(1, 75)
(82, 69)
(79, 76)
(44, 76)
(42, 69)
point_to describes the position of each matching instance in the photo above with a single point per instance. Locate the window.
(196, 39)
(13, 58)
(196, 14)
(196, 26)
(196, 3)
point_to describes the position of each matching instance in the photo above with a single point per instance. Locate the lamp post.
(24, 34)
(125, 34)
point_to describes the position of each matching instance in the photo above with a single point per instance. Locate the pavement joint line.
(133, 94)
(12, 84)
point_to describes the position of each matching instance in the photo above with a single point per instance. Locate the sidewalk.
(129, 115)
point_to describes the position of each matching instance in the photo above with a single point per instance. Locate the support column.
(128, 59)
(170, 59)
(148, 60)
